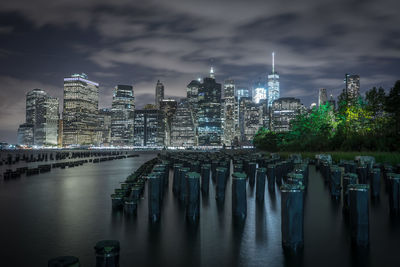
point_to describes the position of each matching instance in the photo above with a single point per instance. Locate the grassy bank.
(382, 157)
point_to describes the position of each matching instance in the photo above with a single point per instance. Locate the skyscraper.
(284, 110)
(168, 108)
(148, 128)
(183, 131)
(105, 117)
(32, 98)
(122, 116)
(159, 93)
(322, 97)
(242, 92)
(42, 117)
(352, 83)
(209, 125)
(273, 84)
(46, 130)
(229, 112)
(260, 92)
(251, 119)
(25, 134)
(80, 115)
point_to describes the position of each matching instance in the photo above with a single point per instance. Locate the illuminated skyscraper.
(159, 93)
(242, 92)
(284, 110)
(105, 116)
(25, 134)
(42, 117)
(149, 130)
(122, 110)
(168, 108)
(260, 92)
(352, 83)
(209, 126)
(32, 98)
(229, 112)
(46, 130)
(250, 120)
(183, 131)
(80, 115)
(273, 84)
(322, 97)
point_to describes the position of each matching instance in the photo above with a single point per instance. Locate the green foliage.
(372, 124)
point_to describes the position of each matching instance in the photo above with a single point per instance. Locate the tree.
(376, 99)
(393, 104)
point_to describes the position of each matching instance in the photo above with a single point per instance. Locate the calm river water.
(65, 212)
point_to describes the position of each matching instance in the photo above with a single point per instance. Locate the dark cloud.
(132, 42)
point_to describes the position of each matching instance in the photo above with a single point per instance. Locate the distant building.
(122, 115)
(352, 83)
(229, 111)
(251, 119)
(149, 106)
(47, 116)
(332, 102)
(148, 128)
(25, 134)
(60, 132)
(168, 108)
(322, 97)
(159, 93)
(209, 122)
(283, 111)
(242, 92)
(105, 122)
(80, 115)
(41, 127)
(259, 92)
(273, 84)
(32, 98)
(183, 131)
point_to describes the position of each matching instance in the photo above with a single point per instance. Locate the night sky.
(123, 42)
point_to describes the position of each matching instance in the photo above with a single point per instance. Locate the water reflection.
(68, 211)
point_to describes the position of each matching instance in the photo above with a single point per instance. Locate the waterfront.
(66, 211)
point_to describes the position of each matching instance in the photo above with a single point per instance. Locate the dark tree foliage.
(371, 124)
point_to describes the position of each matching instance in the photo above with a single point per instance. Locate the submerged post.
(359, 213)
(271, 177)
(335, 181)
(182, 187)
(205, 178)
(221, 178)
(239, 202)
(292, 216)
(176, 181)
(251, 172)
(193, 202)
(375, 181)
(260, 184)
(107, 253)
(394, 193)
(154, 188)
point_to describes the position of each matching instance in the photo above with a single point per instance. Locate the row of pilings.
(358, 181)
(61, 160)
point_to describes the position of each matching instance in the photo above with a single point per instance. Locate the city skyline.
(138, 44)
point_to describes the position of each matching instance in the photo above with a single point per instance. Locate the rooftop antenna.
(273, 62)
(212, 74)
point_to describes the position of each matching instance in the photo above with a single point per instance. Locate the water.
(65, 212)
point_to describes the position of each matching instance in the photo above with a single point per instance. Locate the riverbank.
(381, 157)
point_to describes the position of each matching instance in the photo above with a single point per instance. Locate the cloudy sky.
(138, 42)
